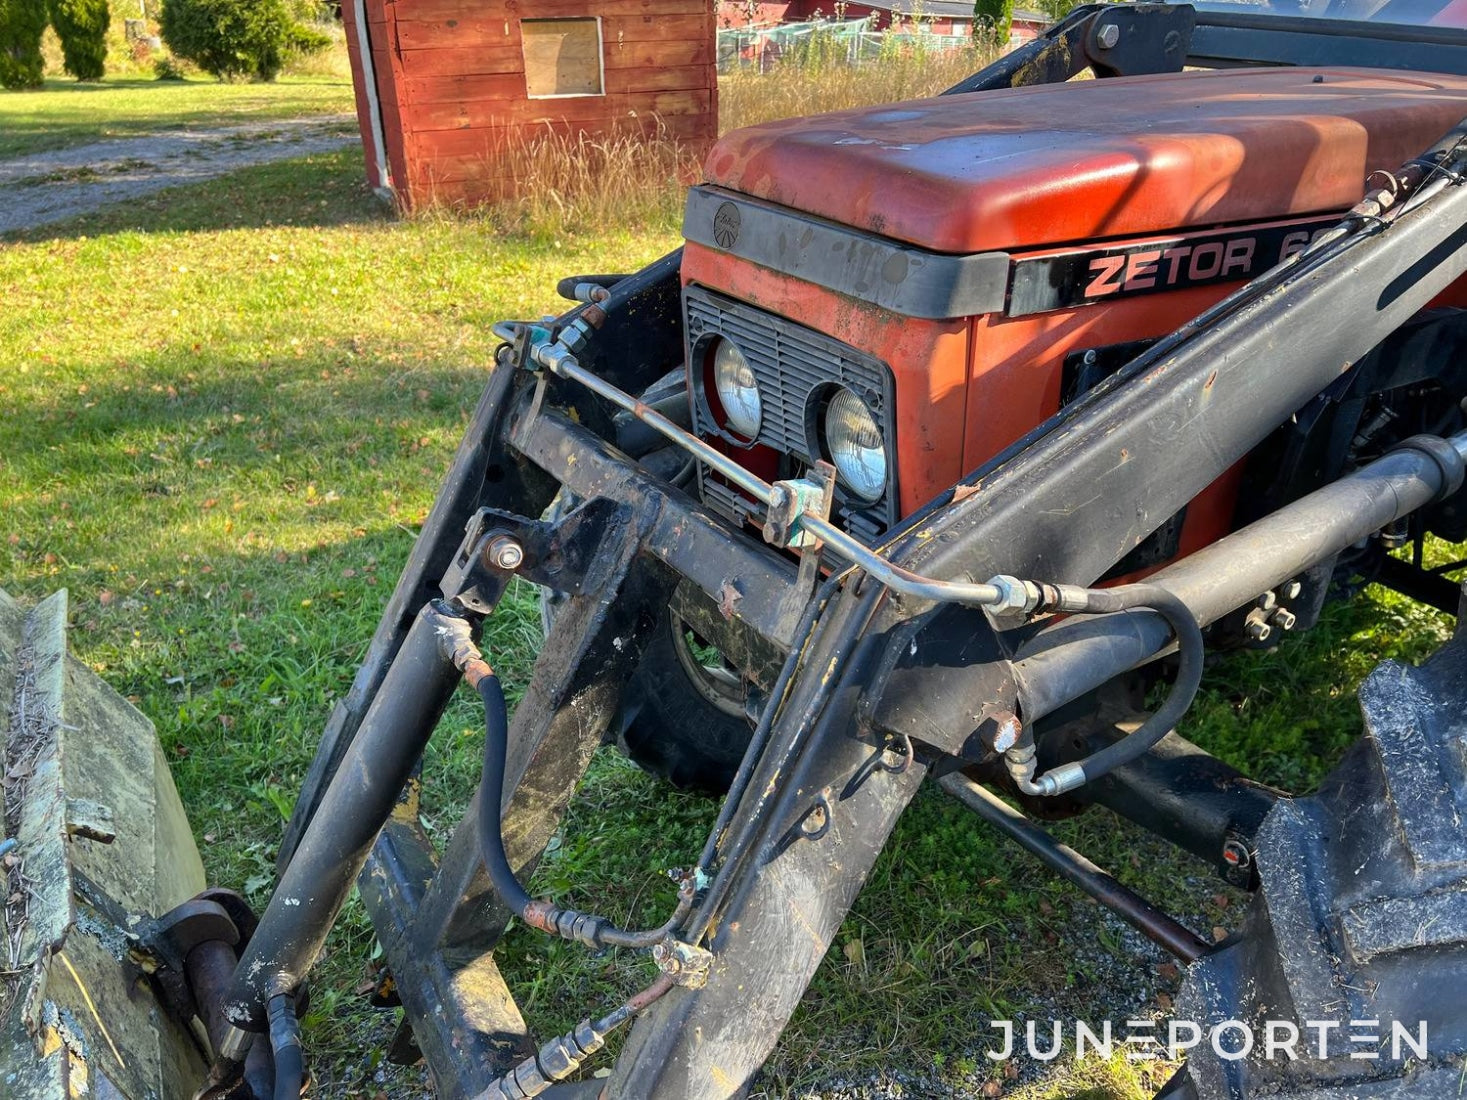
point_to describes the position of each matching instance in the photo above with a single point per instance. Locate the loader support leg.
(479, 462)
(361, 796)
(785, 907)
(438, 935)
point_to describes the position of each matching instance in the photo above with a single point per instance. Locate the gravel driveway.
(43, 188)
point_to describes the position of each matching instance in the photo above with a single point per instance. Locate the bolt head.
(1108, 36)
(1006, 732)
(506, 553)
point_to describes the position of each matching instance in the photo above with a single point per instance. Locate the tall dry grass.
(814, 85)
(574, 186)
(592, 185)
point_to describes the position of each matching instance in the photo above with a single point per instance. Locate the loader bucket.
(95, 840)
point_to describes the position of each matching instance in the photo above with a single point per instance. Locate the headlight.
(856, 448)
(733, 378)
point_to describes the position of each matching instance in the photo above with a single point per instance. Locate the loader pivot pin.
(504, 552)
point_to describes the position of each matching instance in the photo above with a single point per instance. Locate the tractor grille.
(792, 364)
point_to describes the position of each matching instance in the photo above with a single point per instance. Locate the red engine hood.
(1097, 158)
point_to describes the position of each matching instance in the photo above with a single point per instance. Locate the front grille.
(792, 364)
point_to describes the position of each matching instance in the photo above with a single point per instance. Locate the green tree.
(994, 18)
(1057, 9)
(238, 39)
(82, 27)
(22, 22)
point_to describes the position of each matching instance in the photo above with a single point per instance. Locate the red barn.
(938, 16)
(445, 89)
(942, 17)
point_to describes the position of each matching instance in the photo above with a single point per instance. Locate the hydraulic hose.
(285, 1045)
(569, 923)
(491, 799)
(1099, 601)
(563, 1055)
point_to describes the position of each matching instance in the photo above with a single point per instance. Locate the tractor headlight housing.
(855, 444)
(737, 389)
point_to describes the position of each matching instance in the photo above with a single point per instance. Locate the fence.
(850, 41)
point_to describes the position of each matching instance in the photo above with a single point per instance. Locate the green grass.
(225, 412)
(65, 113)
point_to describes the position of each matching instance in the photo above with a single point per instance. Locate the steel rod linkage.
(1163, 930)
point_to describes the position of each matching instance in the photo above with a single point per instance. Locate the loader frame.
(877, 689)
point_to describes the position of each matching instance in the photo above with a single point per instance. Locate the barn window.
(562, 57)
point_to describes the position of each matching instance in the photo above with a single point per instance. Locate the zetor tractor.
(952, 423)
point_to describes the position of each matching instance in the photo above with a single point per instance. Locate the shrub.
(234, 39)
(994, 18)
(166, 68)
(82, 27)
(22, 22)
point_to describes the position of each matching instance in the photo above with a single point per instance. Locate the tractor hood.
(1094, 159)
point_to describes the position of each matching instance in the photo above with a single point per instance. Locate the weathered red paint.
(450, 75)
(1037, 172)
(1078, 162)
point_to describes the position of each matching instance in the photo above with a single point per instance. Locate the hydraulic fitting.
(555, 1061)
(1021, 762)
(686, 964)
(1014, 597)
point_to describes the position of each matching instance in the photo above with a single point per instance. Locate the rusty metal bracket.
(500, 545)
(685, 963)
(790, 502)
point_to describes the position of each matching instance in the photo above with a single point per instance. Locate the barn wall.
(764, 13)
(767, 13)
(451, 76)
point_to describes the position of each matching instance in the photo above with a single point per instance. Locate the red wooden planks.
(450, 78)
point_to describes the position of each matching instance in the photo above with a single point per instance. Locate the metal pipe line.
(560, 361)
(1160, 928)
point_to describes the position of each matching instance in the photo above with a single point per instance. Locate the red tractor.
(954, 423)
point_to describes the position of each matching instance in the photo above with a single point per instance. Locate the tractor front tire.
(680, 720)
(685, 722)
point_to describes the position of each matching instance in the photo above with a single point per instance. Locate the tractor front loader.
(952, 424)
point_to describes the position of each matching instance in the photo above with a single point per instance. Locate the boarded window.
(562, 57)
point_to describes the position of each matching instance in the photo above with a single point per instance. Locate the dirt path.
(42, 188)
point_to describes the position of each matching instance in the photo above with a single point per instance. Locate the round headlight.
(733, 378)
(856, 447)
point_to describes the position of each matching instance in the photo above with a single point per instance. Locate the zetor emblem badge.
(726, 222)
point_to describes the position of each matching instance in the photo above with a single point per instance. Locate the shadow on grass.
(322, 189)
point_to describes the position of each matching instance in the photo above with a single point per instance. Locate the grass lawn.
(226, 410)
(65, 113)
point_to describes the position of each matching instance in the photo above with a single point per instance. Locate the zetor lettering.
(1182, 264)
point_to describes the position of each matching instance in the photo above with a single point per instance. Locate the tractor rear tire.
(1361, 915)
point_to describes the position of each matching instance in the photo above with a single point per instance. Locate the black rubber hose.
(491, 798)
(285, 1045)
(1179, 617)
(563, 922)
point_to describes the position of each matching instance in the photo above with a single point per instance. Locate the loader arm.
(853, 725)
